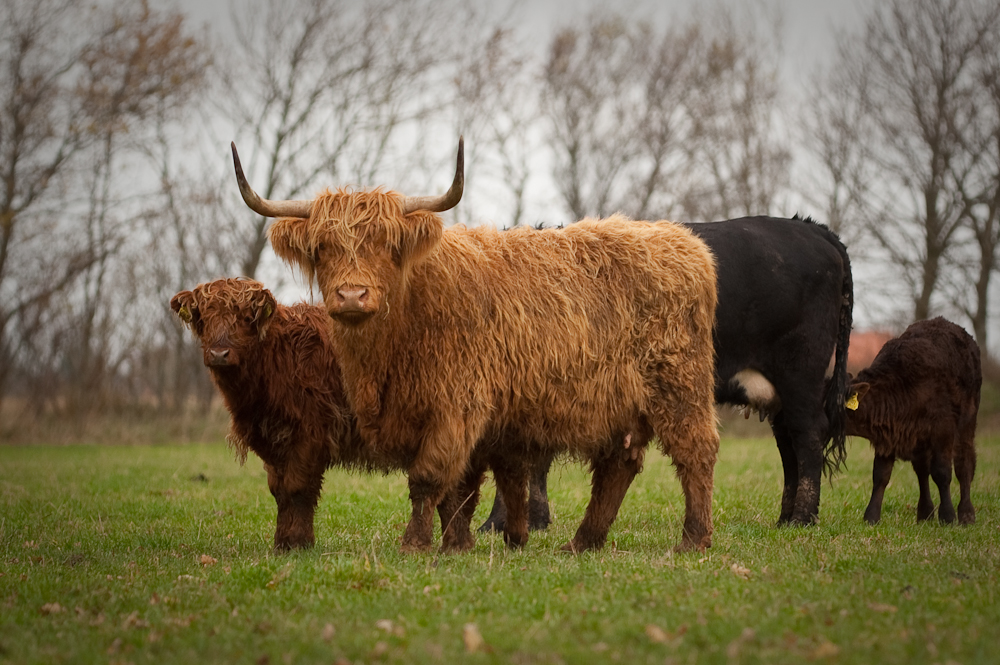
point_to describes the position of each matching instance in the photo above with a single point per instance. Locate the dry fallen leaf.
(472, 637)
(328, 632)
(740, 571)
(207, 560)
(280, 577)
(881, 607)
(52, 608)
(826, 650)
(656, 634)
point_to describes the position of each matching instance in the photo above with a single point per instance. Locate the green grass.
(162, 554)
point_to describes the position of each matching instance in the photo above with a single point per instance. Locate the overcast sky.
(808, 35)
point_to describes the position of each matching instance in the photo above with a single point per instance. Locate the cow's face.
(359, 247)
(228, 316)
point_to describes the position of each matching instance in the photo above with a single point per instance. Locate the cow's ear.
(266, 306)
(855, 393)
(423, 233)
(290, 240)
(185, 307)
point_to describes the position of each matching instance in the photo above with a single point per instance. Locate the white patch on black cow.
(759, 392)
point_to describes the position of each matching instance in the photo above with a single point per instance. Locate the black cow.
(786, 298)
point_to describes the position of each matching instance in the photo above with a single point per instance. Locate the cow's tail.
(835, 450)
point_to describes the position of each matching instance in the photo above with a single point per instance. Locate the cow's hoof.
(457, 548)
(491, 525)
(415, 548)
(515, 542)
(692, 545)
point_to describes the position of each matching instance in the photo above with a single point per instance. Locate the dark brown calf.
(278, 376)
(918, 401)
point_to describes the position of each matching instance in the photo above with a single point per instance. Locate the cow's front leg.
(425, 494)
(296, 494)
(881, 473)
(437, 469)
(456, 511)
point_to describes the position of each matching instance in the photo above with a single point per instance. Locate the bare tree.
(918, 59)
(838, 131)
(143, 64)
(979, 185)
(496, 110)
(738, 155)
(318, 90)
(42, 127)
(658, 123)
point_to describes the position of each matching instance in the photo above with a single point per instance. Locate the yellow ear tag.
(852, 402)
(185, 314)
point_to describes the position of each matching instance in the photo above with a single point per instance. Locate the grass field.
(162, 554)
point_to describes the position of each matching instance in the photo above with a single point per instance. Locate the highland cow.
(918, 401)
(445, 338)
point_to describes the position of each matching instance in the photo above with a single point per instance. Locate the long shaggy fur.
(564, 338)
(919, 402)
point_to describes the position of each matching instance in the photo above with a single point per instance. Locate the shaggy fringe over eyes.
(235, 294)
(348, 219)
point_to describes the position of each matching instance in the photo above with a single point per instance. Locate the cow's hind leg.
(965, 469)
(511, 475)
(497, 517)
(612, 476)
(941, 466)
(789, 466)
(881, 473)
(925, 504)
(806, 429)
(693, 446)
(539, 516)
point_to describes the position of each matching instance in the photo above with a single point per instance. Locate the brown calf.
(918, 401)
(277, 373)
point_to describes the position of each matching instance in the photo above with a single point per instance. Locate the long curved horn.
(450, 198)
(266, 207)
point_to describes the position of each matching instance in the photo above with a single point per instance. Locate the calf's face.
(228, 316)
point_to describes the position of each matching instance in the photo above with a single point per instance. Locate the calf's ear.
(266, 306)
(185, 307)
(855, 393)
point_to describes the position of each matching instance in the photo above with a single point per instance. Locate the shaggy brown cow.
(918, 401)
(277, 373)
(444, 336)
